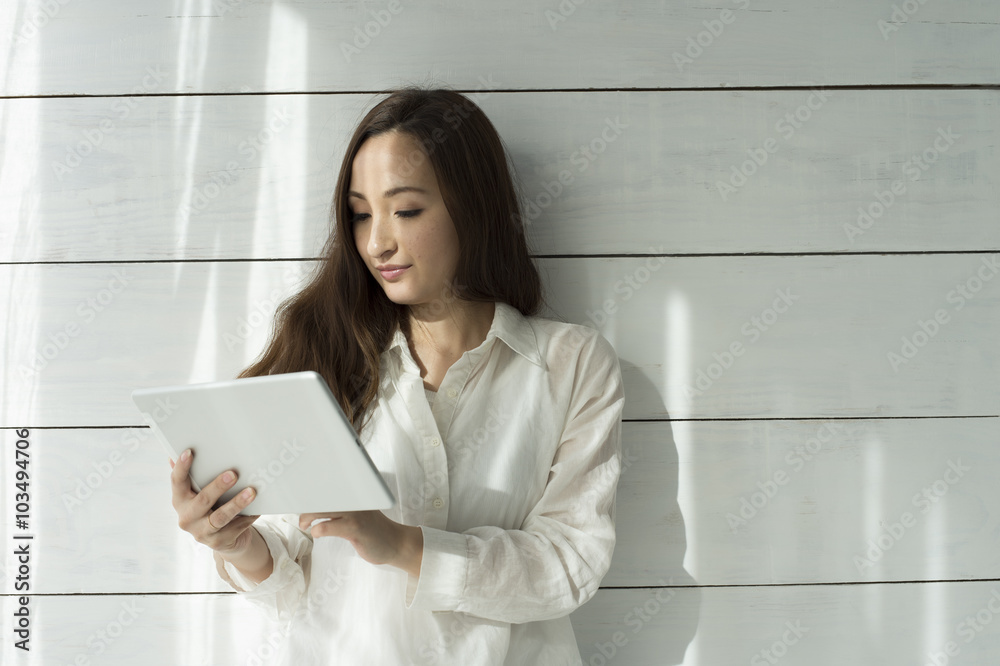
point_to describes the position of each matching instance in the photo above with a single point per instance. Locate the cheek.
(442, 245)
(436, 252)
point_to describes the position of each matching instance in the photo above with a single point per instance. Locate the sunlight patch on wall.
(677, 375)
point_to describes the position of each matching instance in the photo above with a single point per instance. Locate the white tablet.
(285, 435)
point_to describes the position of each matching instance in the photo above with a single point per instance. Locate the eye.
(357, 217)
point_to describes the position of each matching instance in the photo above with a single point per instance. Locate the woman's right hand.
(222, 530)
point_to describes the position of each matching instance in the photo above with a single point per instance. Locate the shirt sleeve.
(281, 593)
(556, 561)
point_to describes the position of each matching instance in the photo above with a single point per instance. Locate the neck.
(452, 330)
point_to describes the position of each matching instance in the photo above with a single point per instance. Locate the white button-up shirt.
(510, 472)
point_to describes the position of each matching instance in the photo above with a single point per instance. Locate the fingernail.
(186, 454)
(228, 477)
(247, 494)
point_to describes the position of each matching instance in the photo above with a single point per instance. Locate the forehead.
(390, 160)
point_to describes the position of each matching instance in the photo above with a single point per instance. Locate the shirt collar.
(508, 324)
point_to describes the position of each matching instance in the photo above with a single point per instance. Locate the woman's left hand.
(376, 538)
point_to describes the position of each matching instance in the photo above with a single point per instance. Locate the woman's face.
(408, 228)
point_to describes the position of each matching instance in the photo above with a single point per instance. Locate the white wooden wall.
(165, 178)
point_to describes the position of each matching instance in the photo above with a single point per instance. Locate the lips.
(390, 273)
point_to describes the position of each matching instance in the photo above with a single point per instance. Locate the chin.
(398, 296)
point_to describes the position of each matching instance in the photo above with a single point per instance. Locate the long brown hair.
(341, 321)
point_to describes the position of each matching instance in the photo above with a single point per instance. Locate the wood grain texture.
(249, 177)
(717, 502)
(813, 626)
(810, 440)
(235, 45)
(834, 336)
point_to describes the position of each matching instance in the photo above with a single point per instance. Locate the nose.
(380, 239)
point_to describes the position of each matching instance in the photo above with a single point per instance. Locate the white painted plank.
(229, 46)
(103, 522)
(833, 625)
(836, 624)
(744, 502)
(74, 348)
(806, 336)
(94, 179)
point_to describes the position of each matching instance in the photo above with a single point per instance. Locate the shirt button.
(438, 503)
(452, 393)
(435, 441)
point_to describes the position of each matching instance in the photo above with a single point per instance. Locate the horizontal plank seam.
(615, 587)
(620, 255)
(814, 584)
(720, 418)
(479, 91)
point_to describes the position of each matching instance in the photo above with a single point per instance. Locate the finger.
(180, 484)
(307, 519)
(319, 528)
(229, 512)
(330, 527)
(208, 498)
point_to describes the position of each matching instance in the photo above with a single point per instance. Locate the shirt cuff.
(443, 572)
(279, 570)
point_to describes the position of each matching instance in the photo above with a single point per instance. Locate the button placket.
(432, 485)
(451, 386)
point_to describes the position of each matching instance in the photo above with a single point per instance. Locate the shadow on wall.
(651, 605)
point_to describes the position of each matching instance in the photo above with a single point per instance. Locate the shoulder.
(584, 370)
(572, 343)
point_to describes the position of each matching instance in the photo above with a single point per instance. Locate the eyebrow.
(390, 193)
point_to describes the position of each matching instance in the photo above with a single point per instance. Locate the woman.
(499, 432)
